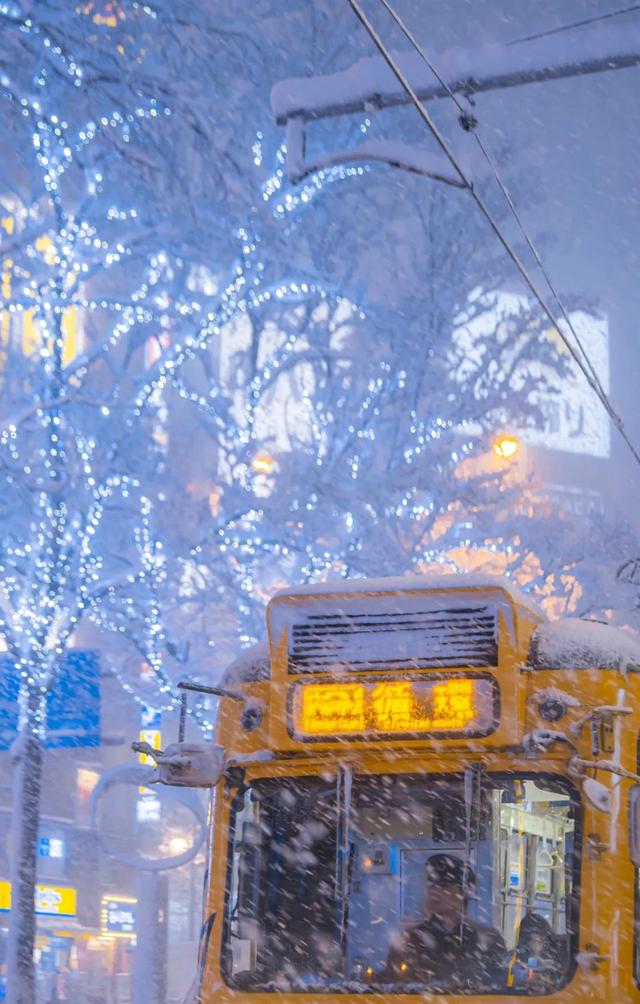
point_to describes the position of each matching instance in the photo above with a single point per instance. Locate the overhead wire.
(577, 24)
(471, 126)
(585, 368)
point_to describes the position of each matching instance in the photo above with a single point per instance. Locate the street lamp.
(506, 446)
(262, 463)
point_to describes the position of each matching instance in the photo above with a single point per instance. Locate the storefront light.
(118, 917)
(50, 900)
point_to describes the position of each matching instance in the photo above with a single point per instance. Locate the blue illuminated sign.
(51, 847)
(73, 704)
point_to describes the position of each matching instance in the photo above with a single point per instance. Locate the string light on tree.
(256, 370)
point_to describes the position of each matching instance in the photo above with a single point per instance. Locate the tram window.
(444, 883)
(282, 918)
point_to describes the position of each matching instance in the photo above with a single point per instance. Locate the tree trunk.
(26, 756)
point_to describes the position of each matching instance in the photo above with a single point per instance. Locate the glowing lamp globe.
(506, 446)
(262, 463)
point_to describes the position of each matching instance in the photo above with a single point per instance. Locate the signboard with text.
(118, 916)
(572, 418)
(50, 900)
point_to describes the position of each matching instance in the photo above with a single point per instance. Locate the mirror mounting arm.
(253, 710)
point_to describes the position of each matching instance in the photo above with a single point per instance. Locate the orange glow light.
(262, 463)
(506, 447)
(390, 707)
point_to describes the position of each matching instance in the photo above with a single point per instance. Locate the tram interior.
(329, 878)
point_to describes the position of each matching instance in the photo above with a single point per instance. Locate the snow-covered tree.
(118, 265)
(214, 383)
(93, 211)
(355, 435)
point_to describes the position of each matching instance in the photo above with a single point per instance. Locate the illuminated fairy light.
(60, 551)
(245, 545)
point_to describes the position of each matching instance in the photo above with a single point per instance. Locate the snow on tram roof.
(403, 583)
(254, 663)
(583, 644)
(563, 644)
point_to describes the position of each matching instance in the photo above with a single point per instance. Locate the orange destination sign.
(380, 708)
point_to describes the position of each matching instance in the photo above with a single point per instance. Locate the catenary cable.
(576, 24)
(486, 212)
(471, 127)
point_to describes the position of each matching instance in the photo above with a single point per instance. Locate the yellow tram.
(412, 742)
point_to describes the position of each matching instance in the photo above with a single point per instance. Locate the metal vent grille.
(459, 636)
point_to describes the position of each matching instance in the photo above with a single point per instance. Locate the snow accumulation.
(555, 694)
(580, 644)
(251, 666)
(405, 583)
(563, 644)
(398, 154)
(255, 756)
(370, 81)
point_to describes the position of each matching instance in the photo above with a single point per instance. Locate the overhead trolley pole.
(369, 85)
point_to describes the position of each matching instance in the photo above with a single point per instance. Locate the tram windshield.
(403, 883)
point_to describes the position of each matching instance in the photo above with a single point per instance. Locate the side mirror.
(192, 765)
(634, 825)
(186, 765)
